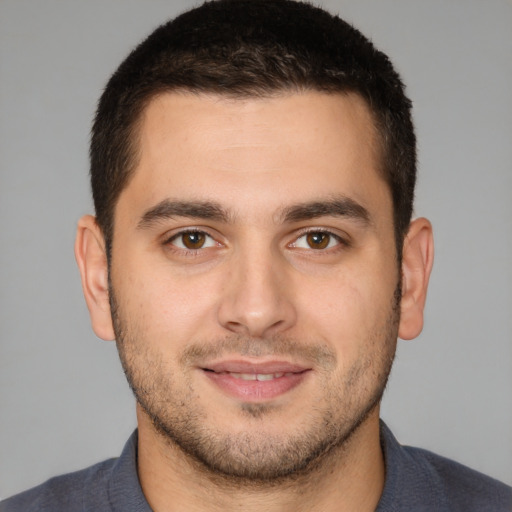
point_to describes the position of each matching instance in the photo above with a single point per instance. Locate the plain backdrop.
(64, 403)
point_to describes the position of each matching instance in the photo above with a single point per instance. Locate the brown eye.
(192, 240)
(318, 240)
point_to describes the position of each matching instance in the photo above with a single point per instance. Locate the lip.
(241, 366)
(250, 381)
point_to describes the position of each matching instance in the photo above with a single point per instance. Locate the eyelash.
(184, 251)
(341, 243)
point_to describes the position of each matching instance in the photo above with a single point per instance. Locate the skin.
(259, 292)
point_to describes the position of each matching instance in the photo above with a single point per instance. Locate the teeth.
(265, 376)
(245, 376)
(258, 376)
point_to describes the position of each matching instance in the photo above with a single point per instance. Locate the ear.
(417, 261)
(92, 261)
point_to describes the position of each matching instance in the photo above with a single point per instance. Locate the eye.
(317, 240)
(192, 240)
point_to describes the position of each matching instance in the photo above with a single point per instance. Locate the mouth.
(255, 382)
(257, 376)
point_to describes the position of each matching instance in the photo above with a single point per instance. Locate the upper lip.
(261, 368)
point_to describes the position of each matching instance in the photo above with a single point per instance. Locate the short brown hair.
(251, 48)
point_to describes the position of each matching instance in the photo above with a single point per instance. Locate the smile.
(258, 376)
(249, 382)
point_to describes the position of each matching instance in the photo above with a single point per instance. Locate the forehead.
(292, 147)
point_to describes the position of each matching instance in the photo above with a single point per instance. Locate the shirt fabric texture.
(416, 481)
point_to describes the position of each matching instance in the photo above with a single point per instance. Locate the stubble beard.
(254, 456)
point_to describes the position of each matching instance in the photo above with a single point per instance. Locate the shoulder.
(113, 483)
(463, 488)
(418, 479)
(67, 492)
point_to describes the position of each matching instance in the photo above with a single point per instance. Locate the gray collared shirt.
(416, 480)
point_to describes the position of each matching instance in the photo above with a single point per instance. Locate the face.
(254, 277)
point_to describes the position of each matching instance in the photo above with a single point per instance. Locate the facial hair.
(165, 391)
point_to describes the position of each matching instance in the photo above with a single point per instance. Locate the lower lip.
(255, 390)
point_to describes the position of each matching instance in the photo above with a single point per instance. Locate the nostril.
(237, 327)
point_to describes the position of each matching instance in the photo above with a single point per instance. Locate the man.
(253, 255)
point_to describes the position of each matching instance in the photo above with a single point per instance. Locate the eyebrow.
(336, 207)
(209, 210)
(168, 209)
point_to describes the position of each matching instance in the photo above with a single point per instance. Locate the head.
(243, 49)
(253, 167)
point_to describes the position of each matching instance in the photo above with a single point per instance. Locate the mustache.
(314, 353)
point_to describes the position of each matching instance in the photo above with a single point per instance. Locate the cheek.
(348, 310)
(165, 306)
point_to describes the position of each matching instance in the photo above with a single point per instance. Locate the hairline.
(134, 131)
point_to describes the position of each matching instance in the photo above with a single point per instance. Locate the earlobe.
(417, 261)
(92, 261)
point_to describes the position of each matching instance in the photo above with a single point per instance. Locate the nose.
(257, 299)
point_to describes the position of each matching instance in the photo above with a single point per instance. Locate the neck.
(350, 477)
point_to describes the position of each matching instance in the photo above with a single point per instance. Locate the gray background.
(63, 400)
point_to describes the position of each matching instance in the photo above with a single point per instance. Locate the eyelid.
(176, 233)
(342, 239)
